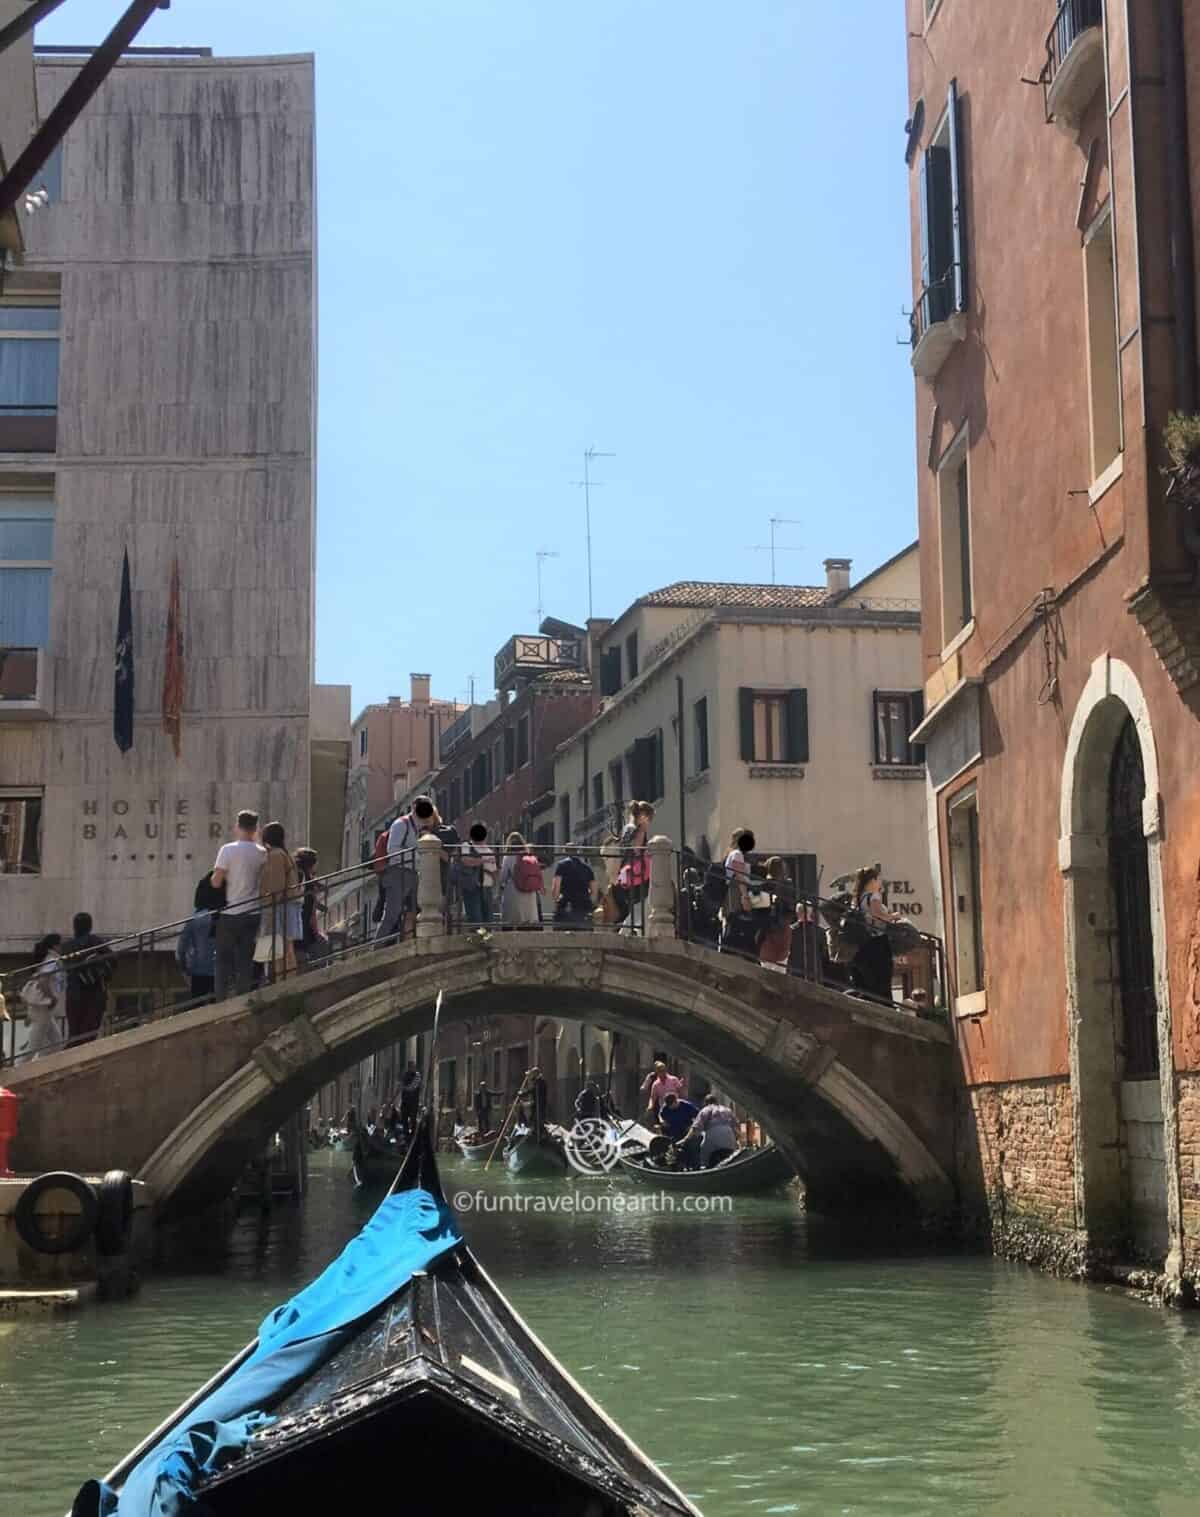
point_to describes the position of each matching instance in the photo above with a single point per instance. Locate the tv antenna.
(471, 678)
(587, 484)
(542, 555)
(777, 521)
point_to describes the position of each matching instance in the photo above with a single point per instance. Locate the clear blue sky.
(674, 229)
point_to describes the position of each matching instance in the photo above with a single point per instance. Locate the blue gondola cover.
(410, 1230)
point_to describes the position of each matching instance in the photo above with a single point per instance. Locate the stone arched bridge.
(860, 1097)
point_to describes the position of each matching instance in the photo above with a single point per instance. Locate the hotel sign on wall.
(150, 823)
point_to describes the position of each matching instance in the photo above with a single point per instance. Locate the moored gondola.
(477, 1150)
(402, 1347)
(527, 1154)
(748, 1171)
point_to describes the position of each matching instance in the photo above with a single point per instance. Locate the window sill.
(937, 343)
(697, 781)
(1104, 482)
(963, 635)
(974, 1005)
(776, 771)
(898, 771)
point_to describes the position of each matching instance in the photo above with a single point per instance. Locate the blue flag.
(123, 671)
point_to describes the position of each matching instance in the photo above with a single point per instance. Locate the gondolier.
(482, 1104)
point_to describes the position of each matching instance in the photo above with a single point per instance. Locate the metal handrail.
(701, 920)
(622, 909)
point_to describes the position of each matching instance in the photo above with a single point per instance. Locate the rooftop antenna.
(542, 555)
(778, 521)
(471, 678)
(587, 485)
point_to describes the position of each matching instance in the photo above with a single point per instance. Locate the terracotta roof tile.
(689, 594)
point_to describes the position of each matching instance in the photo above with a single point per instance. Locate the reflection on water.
(768, 1367)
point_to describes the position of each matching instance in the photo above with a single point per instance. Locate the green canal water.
(768, 1367)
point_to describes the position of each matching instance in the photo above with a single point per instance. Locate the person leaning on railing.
(313, 945)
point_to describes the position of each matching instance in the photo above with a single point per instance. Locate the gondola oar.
(507, 1120)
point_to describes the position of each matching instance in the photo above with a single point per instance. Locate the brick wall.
(1189, 1171)
(1017, 1170)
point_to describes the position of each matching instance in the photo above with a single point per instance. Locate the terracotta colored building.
(391, 744)
(498, 760)
(1054, 329)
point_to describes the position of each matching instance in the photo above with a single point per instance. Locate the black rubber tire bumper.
(29, 1226)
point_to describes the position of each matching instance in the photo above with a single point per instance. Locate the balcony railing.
(1073, 19)
(935, 303)
(1072, 73)
(531, 654)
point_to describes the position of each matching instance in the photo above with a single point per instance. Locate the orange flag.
(172, 699)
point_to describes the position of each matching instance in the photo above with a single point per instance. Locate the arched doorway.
(1118, 1013)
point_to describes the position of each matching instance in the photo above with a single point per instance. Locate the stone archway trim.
(1110, 677)
(1083, 856)
(686, 1001)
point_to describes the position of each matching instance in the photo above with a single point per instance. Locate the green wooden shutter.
(956, 201)
(746, 723)
(923, 219)
(797, 727)
(916, 715)
(610, 671)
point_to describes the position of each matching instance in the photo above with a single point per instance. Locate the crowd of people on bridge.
(65, 997)
(256, 914)
(504, 886)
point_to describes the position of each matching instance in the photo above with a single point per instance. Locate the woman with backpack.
(871, 967)
(42, 996)
(521, 885)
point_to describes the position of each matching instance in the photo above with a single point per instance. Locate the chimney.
(837, 575)
(419, 689)
(596, 628)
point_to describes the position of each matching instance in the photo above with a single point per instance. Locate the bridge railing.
(822, 939)
(429, 891)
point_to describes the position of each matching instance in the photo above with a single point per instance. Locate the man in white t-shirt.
(238, 867)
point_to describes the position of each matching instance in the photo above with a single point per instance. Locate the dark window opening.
(700, 727)
(1129, 865)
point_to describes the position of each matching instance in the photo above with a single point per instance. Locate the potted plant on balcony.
(1181, 435)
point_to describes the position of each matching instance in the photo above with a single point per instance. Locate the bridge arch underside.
(857, 1099)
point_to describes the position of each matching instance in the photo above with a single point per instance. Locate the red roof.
(690, 594)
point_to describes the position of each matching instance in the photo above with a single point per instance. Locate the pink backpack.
(527, 874)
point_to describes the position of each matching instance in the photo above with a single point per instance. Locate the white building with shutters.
(782, 708)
